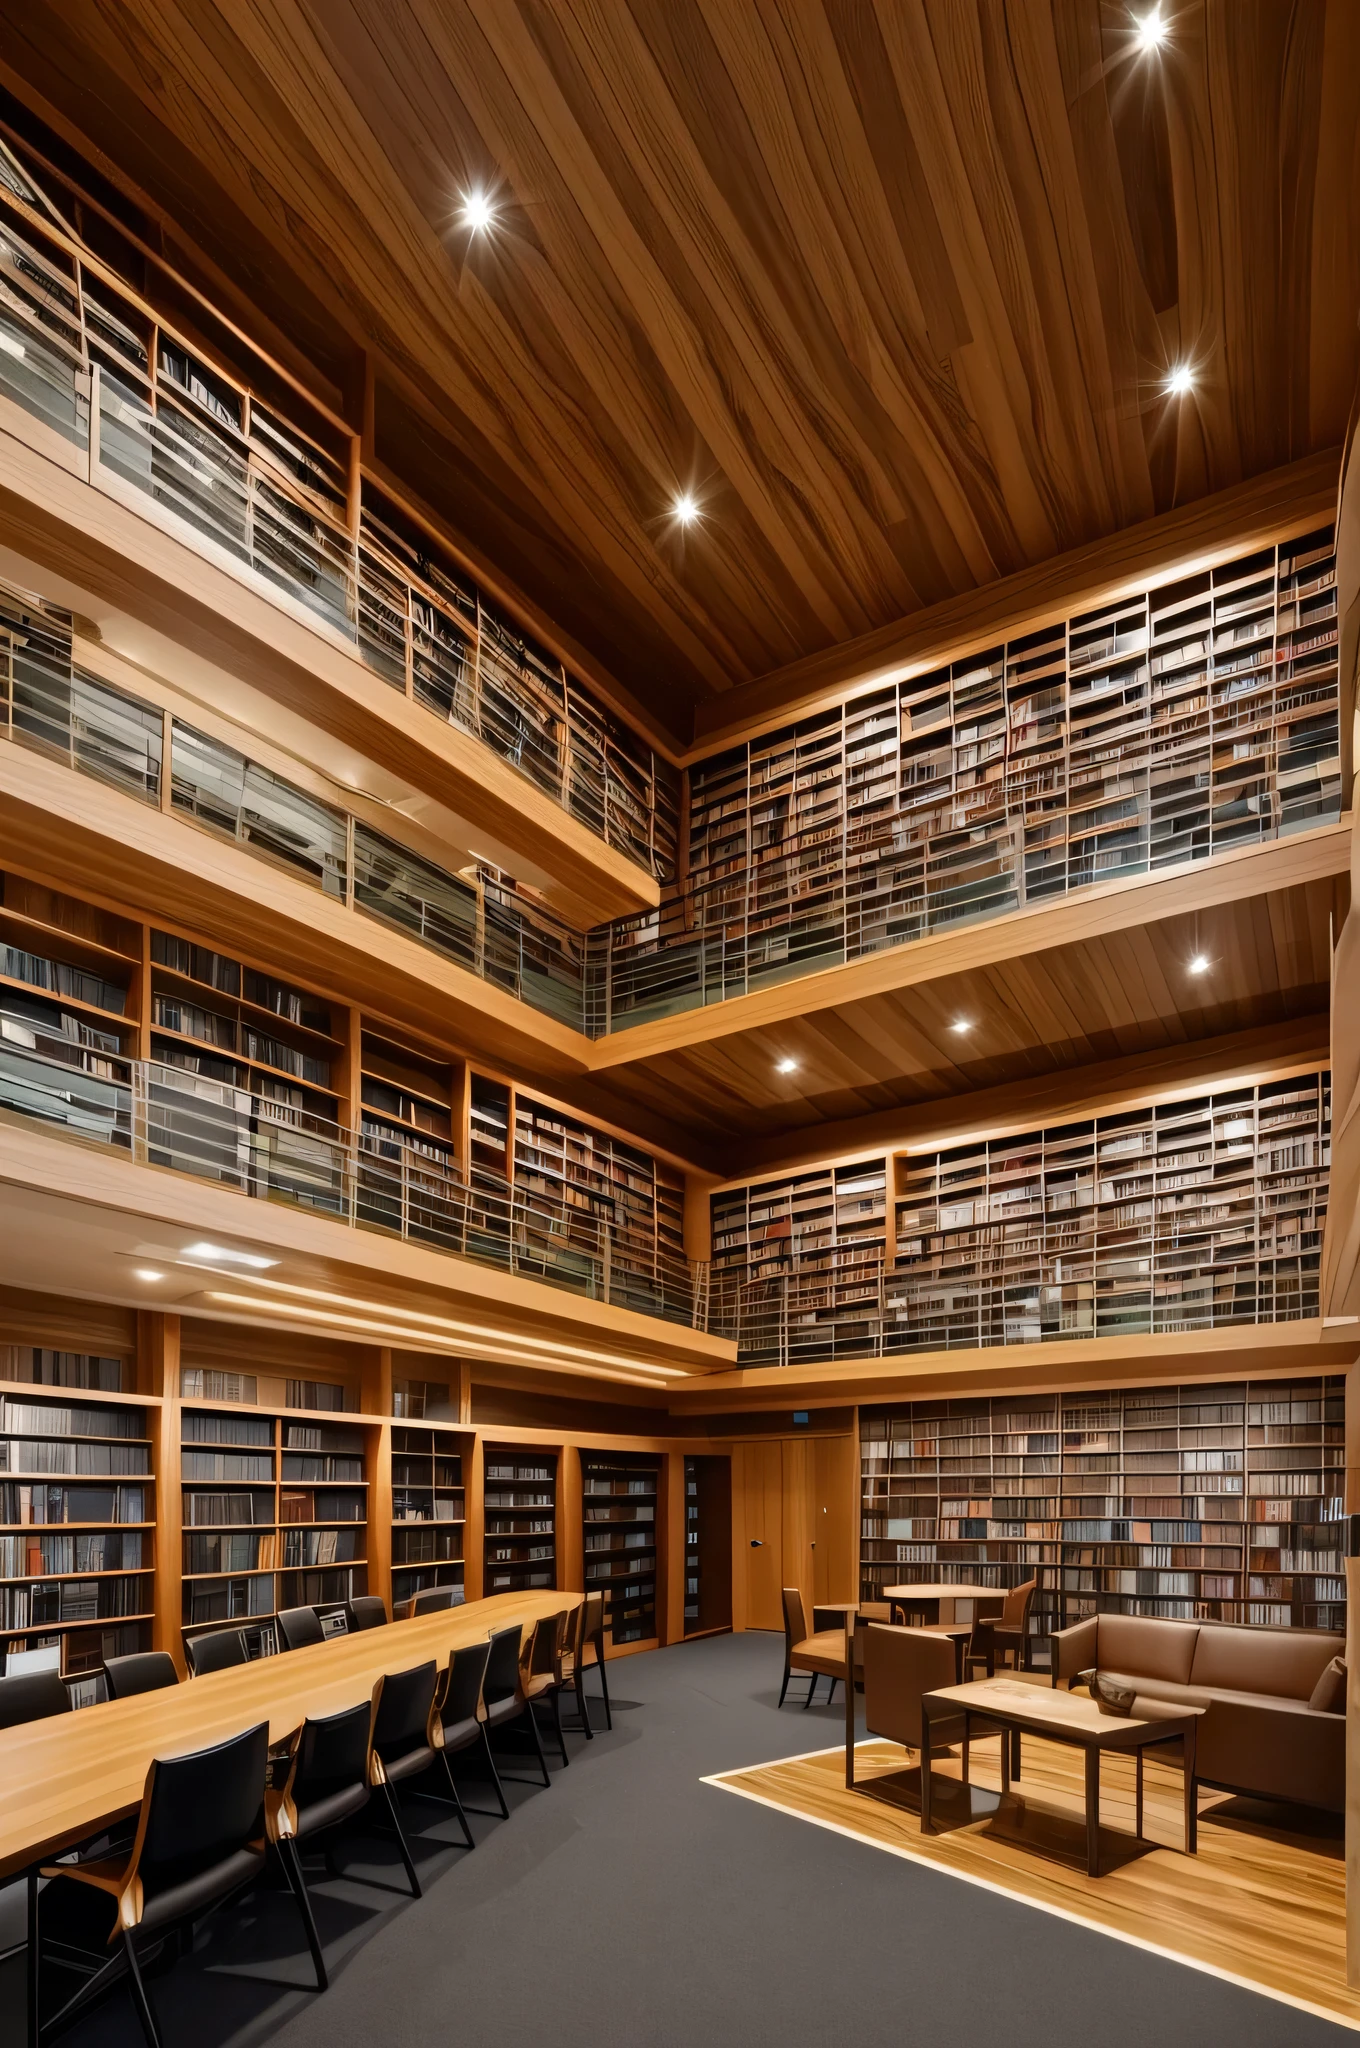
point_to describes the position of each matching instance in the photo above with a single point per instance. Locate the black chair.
(143, 1671)
(401, 1743)
(433, 1600)
(545, 1678)
(592, 1650)
(503, 1695)
(571, 1667)
(222, 1651)
(327, 1783)
(366, 1610)
(299, 1626)
(200, 1837)
(461, 1721)
(32, 1696)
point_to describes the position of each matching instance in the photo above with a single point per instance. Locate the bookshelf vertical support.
(158, 1357)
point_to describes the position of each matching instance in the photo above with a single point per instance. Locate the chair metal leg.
(462, 1816)
(812, 1687)
(297, 1885)
(34, 1961)
(557, 1723)
(395, 1814)
(832, 1694)
(538, 1744)
(495, 1774)
(139, 1996)
(582, 1705)
(785, 1686)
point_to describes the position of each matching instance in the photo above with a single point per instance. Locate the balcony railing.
(372, 1179)
(76, 354)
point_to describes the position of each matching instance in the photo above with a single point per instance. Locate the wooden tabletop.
(1065, 1716)
(907, 1594)
(70, 1776)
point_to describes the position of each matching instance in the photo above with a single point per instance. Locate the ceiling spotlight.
(787, 1067)
(146, 1273)
(1150, 31)
(1180, 380)
(226, 1256)
(962, 1024)
(478, 212)
(1199, 965)
(685, 509)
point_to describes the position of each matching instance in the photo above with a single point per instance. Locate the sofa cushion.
(1284, 1663)
(1146, 1647)
(1329, 1694)
(1164, 1690)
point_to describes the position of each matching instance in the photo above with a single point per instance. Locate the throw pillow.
(1329, 1694)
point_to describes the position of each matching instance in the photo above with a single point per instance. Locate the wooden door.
(832, 1518)
(757, 1535)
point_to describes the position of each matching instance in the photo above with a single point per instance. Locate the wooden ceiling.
(891, 285)
(1032, 1012)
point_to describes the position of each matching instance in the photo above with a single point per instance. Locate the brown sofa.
(1259, 1734)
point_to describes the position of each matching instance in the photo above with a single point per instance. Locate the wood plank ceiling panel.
(892, 285)
(1121, 994)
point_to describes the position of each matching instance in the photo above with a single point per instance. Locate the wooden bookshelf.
(214, 1015)
(619, 1540)
(708, 1545)
(567, 1169)
(519, 1507)
(275, 1514)
(808, 1250)
(1216, 1502)
(429, 1510)
(77, 1523)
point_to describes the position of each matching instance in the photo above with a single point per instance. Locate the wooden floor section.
(1263, 1903)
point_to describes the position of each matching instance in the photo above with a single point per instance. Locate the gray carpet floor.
(630, 1904)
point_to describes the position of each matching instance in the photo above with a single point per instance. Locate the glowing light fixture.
(1150, 31)
(787, 1067)
(1180, 380)
(222, 1254)
(962, 1024)
(686, 509)
(478, 212)
(1199, 965)
(146, 1273)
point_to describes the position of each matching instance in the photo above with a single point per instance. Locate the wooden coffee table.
(1071, 1718)
(941, 1597)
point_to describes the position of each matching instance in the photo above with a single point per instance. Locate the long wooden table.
(70, 1777)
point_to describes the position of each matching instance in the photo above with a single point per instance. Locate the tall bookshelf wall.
(1164, 727)
(77, 1528)
(429, 1511)
(565, 1168)
(810, 1249)
(1217, 1502)
(275, 1515)
(519, 1505)
(619, 1506)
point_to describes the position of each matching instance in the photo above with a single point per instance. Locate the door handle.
(757, 1543)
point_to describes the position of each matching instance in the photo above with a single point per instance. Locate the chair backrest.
(331, 1753)
(545, 1651)
(592, 1626)
(32, 1696)
(574, 1634)
(1015, 1609)
(300, 1626)
(434, 1600)
(403, 1715)
(899, 1665)
(795, 1617)
(502, 1664)
(463, 1684)
(198, 1810)
(221, 1651)
(366, 1610)
(143, 1671)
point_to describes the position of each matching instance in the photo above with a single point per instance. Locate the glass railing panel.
(221, 789)
(82, 720)
(42, 355)
(417, 897)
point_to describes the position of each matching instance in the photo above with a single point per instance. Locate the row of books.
(98, 1550)
(34, 1505)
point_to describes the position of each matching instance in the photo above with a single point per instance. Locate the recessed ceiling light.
(1199, 965)
(787, 1067)
(962, 1024)
(228, 1257)
(1150, 31)
(686, 508)
(146, 1273)
(478, 212)
(1180, 380)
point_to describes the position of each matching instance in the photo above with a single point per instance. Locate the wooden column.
(670, 1558)
(375, 1398)
(570, 1508)
(474, 1527)
(158, 1345)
